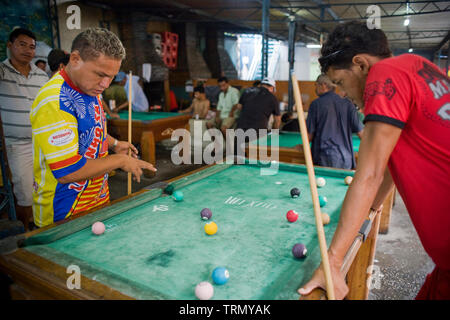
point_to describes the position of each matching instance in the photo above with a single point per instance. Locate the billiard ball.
(320, 182)
(299, 250)
(206, 214)
(220, 275)
(204, 290)
(295, 192)
(211, 228)
(325, 218)
(178, 195)
(292, 216)
(98, 228)
(348, 180)
(323, 201)
(169, 189)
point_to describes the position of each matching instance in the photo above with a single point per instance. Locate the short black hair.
(222, 79)
(349, 39)
(19, 31)
(200, 89)
(286, 117)
(40, 60)
(55, 57)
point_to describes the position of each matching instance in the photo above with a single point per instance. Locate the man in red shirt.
(406, 102)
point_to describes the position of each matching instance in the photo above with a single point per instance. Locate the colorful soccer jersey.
(68, 128)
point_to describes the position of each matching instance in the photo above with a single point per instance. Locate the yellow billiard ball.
(211, 228)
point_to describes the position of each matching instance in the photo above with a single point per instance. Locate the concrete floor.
(401, 263)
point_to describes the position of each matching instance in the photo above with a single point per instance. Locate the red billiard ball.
(292, 216)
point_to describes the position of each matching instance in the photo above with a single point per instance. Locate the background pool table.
(156, 248)
(147, 129)
(287, 142)
(290, 150)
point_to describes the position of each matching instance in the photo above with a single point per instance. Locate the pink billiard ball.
(98, 228)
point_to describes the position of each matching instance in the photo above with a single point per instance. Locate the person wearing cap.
(116, 92)
(57, 59)
(257, 104)
(119, 93)
(331, 122)
(228, 99)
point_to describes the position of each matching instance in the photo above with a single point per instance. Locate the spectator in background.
(20, 81)
(119, 93)
(41, 64)
(257, 104)
(200, 105)
(114, 97)
(331, 122)
(57, 60)
(139, 102)
(228, 98)
(289, 122)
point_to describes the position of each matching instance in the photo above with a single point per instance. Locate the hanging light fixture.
(406, 21)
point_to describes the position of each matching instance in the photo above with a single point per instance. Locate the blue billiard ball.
(220, 275)
(323, 201)
(178, 195)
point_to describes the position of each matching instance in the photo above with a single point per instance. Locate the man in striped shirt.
(20, 81)
(70, 141)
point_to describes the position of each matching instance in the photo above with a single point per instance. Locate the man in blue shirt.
(331, 122)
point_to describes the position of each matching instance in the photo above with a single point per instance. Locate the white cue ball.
(320, 182)
(204, 290)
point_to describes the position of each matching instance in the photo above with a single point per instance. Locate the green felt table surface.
(147, 116)
(287, 139)
(156, 248)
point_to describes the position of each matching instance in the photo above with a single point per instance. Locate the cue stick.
(129, 125)
(313, 187)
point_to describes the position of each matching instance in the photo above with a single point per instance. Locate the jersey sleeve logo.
(387, 89)
(73, 101)
(61, 137)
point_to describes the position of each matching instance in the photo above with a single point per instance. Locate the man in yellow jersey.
(70, 141)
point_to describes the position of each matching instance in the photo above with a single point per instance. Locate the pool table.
(290, 150)
(147, 129)
(156, 248)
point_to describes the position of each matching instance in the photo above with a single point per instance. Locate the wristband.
(115, 143)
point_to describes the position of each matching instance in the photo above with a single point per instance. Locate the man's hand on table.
(318, 280)
(135, 166)
(132, 164)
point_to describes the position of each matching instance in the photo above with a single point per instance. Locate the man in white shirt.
(20, 80)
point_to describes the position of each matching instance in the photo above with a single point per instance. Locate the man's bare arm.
(367, 189)
(376, 147)
(98, 167)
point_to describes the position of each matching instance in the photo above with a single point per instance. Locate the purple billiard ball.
(206, 214)
(299, 250)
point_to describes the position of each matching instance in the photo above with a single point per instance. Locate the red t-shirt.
(411, 93)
